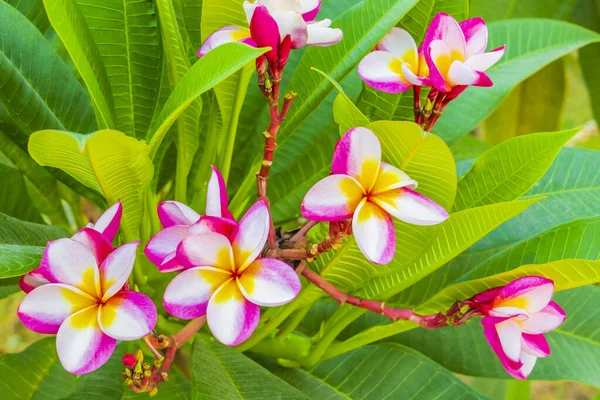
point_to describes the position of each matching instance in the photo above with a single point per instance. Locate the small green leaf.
(221, 372)
(387, 371)
(69, 23)
(107, 161)
(510, 169)
(531, 44)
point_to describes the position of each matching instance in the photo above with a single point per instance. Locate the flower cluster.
(515, 318)
(82, 296)
(451, 57)
(224, 276)
(364, 188)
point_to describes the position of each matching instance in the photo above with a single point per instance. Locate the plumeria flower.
(86, 304)
(280, 24)
(364, 188)
(516, 317)
(228, 282)
(455, 53)
(180, 221)
(396, 65)
(96, 237)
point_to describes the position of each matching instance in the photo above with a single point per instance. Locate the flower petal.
(128, 315)
(332, 199)
(529, 293)
(439, 59)
(95, 241)
(528, 361)
(390, 177)
(251, 235)
(291, 23)
(491, 335)
(382, 71)
(173, 213)
(187, 295)
(486, 296)
(269, 282)
(549, 318)
(227, 34)
(230, 316)
(536, 345)
(31, 280)
(264, 30)
(46, 307)
(207, 224)
(310, 9)
(476, 36)
(320, 33)
(462, 74)
(509, 333)
(69, 262)
(401, 44)
(82, 346)
(162, 248)
(445, 28)
(481, 62)
(117, 267)
(207, 249)
(358, 154)
(410, 206)
(413, 78)
(108, 223)
(217, 202)
(374, 232)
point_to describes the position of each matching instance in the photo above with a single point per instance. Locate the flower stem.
(417, 104)
(188, 331)
(303, 231)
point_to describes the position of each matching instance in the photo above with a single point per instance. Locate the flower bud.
(129, 360)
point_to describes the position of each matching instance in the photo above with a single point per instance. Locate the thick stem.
(438, 108)
(417, 104)
(187, 332)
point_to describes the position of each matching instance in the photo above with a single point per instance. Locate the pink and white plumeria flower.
(364, 188)
(455, 53)
(106, 226)
(516, 317)
(85, 304)
(228, 281)
(271, 22)
(180, 221)
(396, 65)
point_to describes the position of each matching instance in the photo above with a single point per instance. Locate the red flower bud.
(284, 51)
(129, 360)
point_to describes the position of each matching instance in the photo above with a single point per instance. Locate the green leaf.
(188, 124)
(192, 14)
(107, 161)
(575, 345)
(572, 179)
(209, 71)
(14, 198)
(566, 274)
(126, 35)
(219, 13)
(22, 244)
(587, 14)
(467, 147)
(505, 9)
(38, 90)
(34, 11)
(387, 371)
(69, 23)
(221, 372)
(533, 106)
(510, 169)
(531, 44)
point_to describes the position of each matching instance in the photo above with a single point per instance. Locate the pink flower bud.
(129, 360)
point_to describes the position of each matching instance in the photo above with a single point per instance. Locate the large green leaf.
(384, 106)
(14, 198)
(575, 345)
(187, 125)
(70, 25)
(587, 14)
(573, 179)
(510, 169)
(531, 44)
(219, 372)
(34, 11)
(505, 9)
(126, 34)
(22, 244)
(387, 371)
(209, 71)
(107, 161)
(37, 89)
(533, 106)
